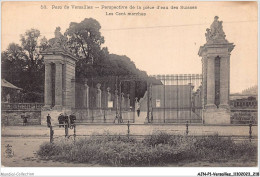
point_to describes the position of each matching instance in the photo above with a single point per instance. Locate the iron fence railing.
(186, 131)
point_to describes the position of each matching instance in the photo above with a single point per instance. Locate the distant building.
(244, 103)
(10, 93)
(246, 99)
(244, 106)
(250, 91)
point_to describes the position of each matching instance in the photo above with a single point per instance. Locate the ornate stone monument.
(216, 75)
(59, 90)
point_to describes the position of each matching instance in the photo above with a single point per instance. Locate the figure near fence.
(61, 120)
(48, 120)
(25, 119)
(137, 104)
(138, 110)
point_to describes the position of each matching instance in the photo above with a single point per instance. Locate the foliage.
(85, 39)
(155, 150)
(22, 65)
(214, 146)
(13, 64)
(29, 44)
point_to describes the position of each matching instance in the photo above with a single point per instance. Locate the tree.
(13, 65)
(23, 66)
(30, 47)
(85, 39)
(34, 61)
(44, 44)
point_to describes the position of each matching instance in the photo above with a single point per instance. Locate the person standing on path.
(72, 118)
(66, 119)
(24, 117)
(49, 120)
(61, 120)
(138, 109)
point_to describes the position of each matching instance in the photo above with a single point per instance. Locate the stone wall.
(13, 117)
(244, 116)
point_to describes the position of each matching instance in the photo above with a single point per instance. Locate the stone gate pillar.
(216, 75)
(59, 73)
(64, 73)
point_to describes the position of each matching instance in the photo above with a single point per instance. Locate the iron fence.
(128, 133)
(108, 99)
(177, 98)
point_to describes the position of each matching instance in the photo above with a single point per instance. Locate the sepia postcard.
(117, 84)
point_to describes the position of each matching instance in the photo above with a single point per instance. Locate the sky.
(164, 41)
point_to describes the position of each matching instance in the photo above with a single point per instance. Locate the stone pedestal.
(216, 116)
